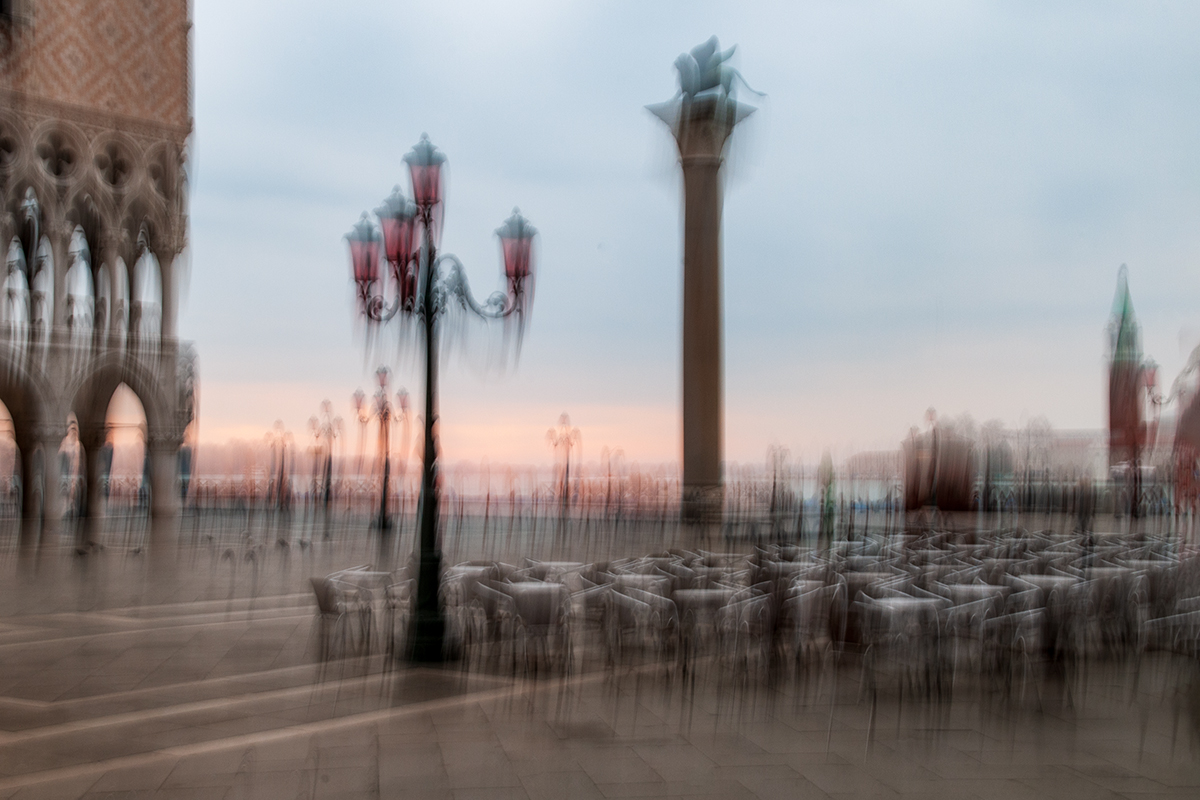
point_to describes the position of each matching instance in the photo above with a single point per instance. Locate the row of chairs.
(925, 613)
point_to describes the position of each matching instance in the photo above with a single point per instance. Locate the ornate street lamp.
(325, 432)
(424, 286)
(279, 440)
(359, 402)
(383, 410)
(564, 438)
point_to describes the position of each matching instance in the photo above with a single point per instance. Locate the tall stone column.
(164, 477)
(94, 468)
(31, 494)
(53, 501)
(701, 125)
(163, 452)
(169, 301)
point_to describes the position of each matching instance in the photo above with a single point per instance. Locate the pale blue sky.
(930, 208)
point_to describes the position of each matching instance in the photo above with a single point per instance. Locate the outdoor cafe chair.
(542, 630)
(745, 627)
(648, 582)
(804, 620)
(397, 610)
(1012, 644)
(696, 613)
(488, 627)
(339, 607)
(634, 628)
(902, 638)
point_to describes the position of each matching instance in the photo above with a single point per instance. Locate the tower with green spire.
(1126, 429)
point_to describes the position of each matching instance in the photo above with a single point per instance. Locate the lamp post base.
(428, 644)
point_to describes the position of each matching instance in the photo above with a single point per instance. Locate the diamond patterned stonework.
(122, 57)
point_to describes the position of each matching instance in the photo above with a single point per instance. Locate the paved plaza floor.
(193, 674)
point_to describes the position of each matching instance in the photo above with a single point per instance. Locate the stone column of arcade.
(31, 491)
(53, 502)
(701, 120)
(93, 447)
(163, 452)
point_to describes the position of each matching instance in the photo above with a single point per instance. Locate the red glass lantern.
(364, 252)
(398, 217)
(516, 242)
(425, 167)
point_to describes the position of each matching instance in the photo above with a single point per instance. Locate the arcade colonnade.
(93, 224)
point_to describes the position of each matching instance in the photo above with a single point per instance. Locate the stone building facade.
(95, 118)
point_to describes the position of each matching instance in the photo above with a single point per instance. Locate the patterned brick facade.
(127, 59)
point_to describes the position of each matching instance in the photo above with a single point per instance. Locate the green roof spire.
(1125, 344)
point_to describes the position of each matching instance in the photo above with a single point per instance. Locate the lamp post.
(279, 439)
(565, 437)
(325, 431)
(422, 286)
(383, 410)
(402, 416)
(363, 414)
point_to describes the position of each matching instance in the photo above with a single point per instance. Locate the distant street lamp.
(383, 410)
(325, 431)
(423, 286)
(565, 437)
(363, 414)
(278, 439)
(403, 415)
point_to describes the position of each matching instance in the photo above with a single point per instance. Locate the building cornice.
(28, 105)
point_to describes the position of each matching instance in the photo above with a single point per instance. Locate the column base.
(702, 504)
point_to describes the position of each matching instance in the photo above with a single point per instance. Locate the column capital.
(49, 434)
(701, 125)
(163, 442)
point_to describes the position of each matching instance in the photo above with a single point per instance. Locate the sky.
(929, 209)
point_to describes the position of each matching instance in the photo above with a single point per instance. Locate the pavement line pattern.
(141, 760)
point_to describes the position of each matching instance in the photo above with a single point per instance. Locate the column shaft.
(164, 472)
(703, 420)
(89, 531)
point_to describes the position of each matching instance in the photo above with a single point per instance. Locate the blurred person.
(1085, 506)
(825, 495)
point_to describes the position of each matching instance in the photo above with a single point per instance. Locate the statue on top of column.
(704, 69)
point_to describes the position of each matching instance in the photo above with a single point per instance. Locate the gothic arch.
(92, 395)
(14, 221)
(145, 220)
(89, 207)
(26, 396)
(80, 288)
